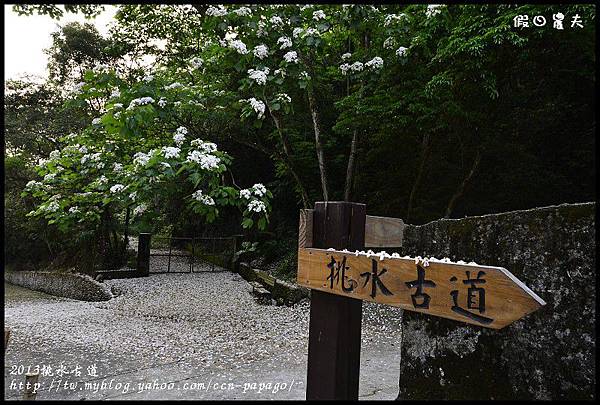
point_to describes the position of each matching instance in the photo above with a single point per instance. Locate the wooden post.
(143, 259)
(335, 321)
(237, 244)
(6, 337)
(31, 380)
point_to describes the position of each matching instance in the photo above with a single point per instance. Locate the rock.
(550, 249)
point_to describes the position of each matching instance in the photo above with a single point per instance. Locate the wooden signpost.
(332, 262)
(482, 295)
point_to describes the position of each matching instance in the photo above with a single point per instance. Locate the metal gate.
(191, 254)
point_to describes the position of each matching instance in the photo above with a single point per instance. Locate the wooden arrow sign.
(481, 295)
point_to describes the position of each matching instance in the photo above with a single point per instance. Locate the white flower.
(390, 18)
(243, 11)
(261, 32)
(204, 199)
(140, 209)
(376, 63)
(162, 102)
(49, 176)
(311, 32)
(389, 43)
(206, 161)
(148, 78)
(179, 136)
(218, 11)
(257, 206)
(261, 51)
(55, 154)
(246, 193)
(297, 31)
(140, 101)
(117, 188)
(401, 51)
(94, 157)
(102, 179)
(118, 106)
(283, 98)
(285, 42)
(433, 9)
(100, 66)
(291, 57)
(347, 55)
(209, 162)
(257, 105)
(196, 63)
(117, 114)
(52, 207)
(78, 88)
(117, 167)
(278, 72)
(239, 46)
(344, 67)
(174, 85)
(356, 66)
(304, 75)
(207, 147)
(276, 20)
(260, 76)
(259, 189)
(115, 93)
(318, 15)
(32, 184)
(96, 121)
(74, 210)
(141, 159)
(171, 152)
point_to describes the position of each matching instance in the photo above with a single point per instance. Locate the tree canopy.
(419, 111)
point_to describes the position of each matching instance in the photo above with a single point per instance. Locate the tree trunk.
(286, 158)
(318, 145)
(426, 147)
(350, 167)
(461, 188)
(354, 144)
(126, 236)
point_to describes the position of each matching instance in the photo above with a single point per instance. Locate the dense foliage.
(419, 111)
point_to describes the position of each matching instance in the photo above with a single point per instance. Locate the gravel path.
(195, 329)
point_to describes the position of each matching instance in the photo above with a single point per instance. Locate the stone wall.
(288, 292)
(549, 354)
(69, 285)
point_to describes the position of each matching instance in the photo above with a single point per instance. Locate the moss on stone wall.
(549, 354)
(69, 285)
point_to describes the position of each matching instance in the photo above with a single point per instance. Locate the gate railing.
(216, 251)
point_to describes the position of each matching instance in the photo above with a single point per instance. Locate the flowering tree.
(327, 90)
(132, 155)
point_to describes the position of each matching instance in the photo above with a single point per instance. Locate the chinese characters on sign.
(522, 21)
(475, 295)
(47, 370)
(481, 295)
